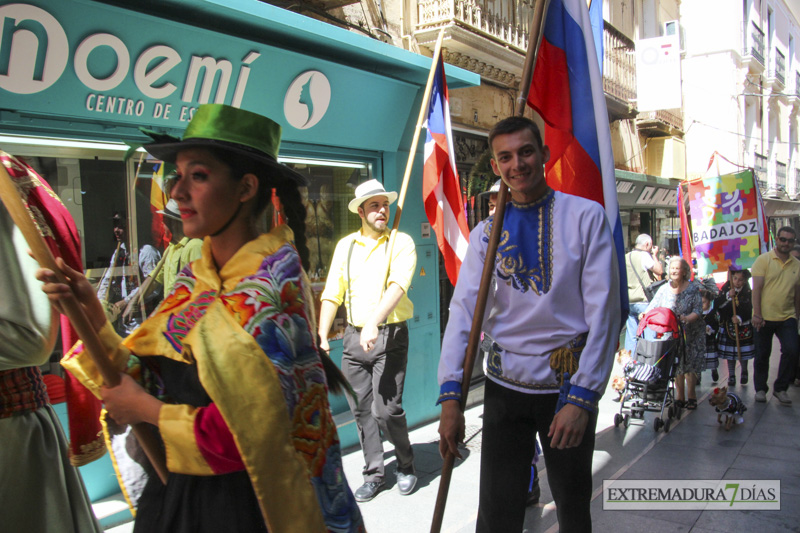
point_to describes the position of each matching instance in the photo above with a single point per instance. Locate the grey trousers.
(377, 378)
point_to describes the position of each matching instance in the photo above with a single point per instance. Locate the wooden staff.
(144, 290)
(736, 328)
(412, 153)
(72, 308)
(537, 24)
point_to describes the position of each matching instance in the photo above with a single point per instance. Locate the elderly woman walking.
(683, 298)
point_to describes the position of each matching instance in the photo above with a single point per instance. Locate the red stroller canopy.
(660, 320)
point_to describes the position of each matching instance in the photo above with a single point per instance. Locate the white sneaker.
(761, 396)
(783, 397)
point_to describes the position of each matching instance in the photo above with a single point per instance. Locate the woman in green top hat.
(227, 367)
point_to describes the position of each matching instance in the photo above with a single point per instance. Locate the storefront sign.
(657, 196)
(307, 99)
(105, 64)
(37, 56)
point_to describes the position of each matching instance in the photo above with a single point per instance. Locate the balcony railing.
(506, 21)
(671, 117)
(757, 42)
(760, 167)
(780, 175)
(780, 66)
(619, 64)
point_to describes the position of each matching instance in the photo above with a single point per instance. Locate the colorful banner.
(728, 226)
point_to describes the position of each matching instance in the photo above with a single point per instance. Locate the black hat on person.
(733, 269)
(228, 128)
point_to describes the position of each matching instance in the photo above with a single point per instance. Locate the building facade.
(742, 95)
(78, 78)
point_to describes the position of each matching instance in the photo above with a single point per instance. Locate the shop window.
(332, 185)
(95, 189)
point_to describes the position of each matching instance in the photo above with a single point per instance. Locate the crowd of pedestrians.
(735, 322)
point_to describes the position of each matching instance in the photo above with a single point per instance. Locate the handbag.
(651, 289)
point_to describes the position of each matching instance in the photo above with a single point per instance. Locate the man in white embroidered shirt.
(555, 319)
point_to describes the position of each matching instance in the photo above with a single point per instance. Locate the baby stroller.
(650, 373)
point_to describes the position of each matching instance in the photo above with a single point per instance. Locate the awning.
(781, 208)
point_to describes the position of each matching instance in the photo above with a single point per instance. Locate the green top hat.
(227, 128)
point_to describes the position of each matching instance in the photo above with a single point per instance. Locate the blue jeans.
(632, 324)
(786, 332)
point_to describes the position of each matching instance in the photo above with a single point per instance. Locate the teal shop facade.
(78, 78)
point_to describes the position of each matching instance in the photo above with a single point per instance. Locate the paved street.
(766, 446)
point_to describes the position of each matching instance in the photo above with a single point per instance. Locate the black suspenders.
(349, 297)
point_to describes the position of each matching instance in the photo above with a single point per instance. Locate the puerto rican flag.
(567, 91)
(441, 189)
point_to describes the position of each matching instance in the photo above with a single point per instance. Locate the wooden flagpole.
(537, 25)
(412, 153)
(74, 311)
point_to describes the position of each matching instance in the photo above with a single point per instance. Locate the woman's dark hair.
(287, 191)
(295, 212)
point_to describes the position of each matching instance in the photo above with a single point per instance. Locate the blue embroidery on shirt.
(525, 252)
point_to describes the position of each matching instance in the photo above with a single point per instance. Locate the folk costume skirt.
(726, 341)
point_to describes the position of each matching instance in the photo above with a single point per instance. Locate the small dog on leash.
(729, 405)
(618, 380)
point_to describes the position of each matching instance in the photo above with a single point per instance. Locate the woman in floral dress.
(683, 297)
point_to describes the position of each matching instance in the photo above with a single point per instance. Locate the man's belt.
(22, 390)
(380, 326)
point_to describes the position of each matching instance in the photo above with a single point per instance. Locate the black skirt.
(193, 504)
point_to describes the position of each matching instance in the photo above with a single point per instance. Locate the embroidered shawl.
(249, 329)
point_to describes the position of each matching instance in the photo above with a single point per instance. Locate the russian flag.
(441, 189)
(567, 92)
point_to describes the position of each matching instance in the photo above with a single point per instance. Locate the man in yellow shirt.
(776, 306)
(375, 350)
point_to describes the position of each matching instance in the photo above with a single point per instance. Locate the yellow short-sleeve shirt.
(780, 282)
(363, 273)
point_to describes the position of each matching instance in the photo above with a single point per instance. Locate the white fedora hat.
(494, 189)
(367, 190)
(171, 210)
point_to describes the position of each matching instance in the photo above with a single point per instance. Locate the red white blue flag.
(441, 189)
(567, 91)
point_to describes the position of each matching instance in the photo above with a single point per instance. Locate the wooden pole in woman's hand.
(72, 308)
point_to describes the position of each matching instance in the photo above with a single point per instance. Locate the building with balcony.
(741, 99)
(490, 38)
